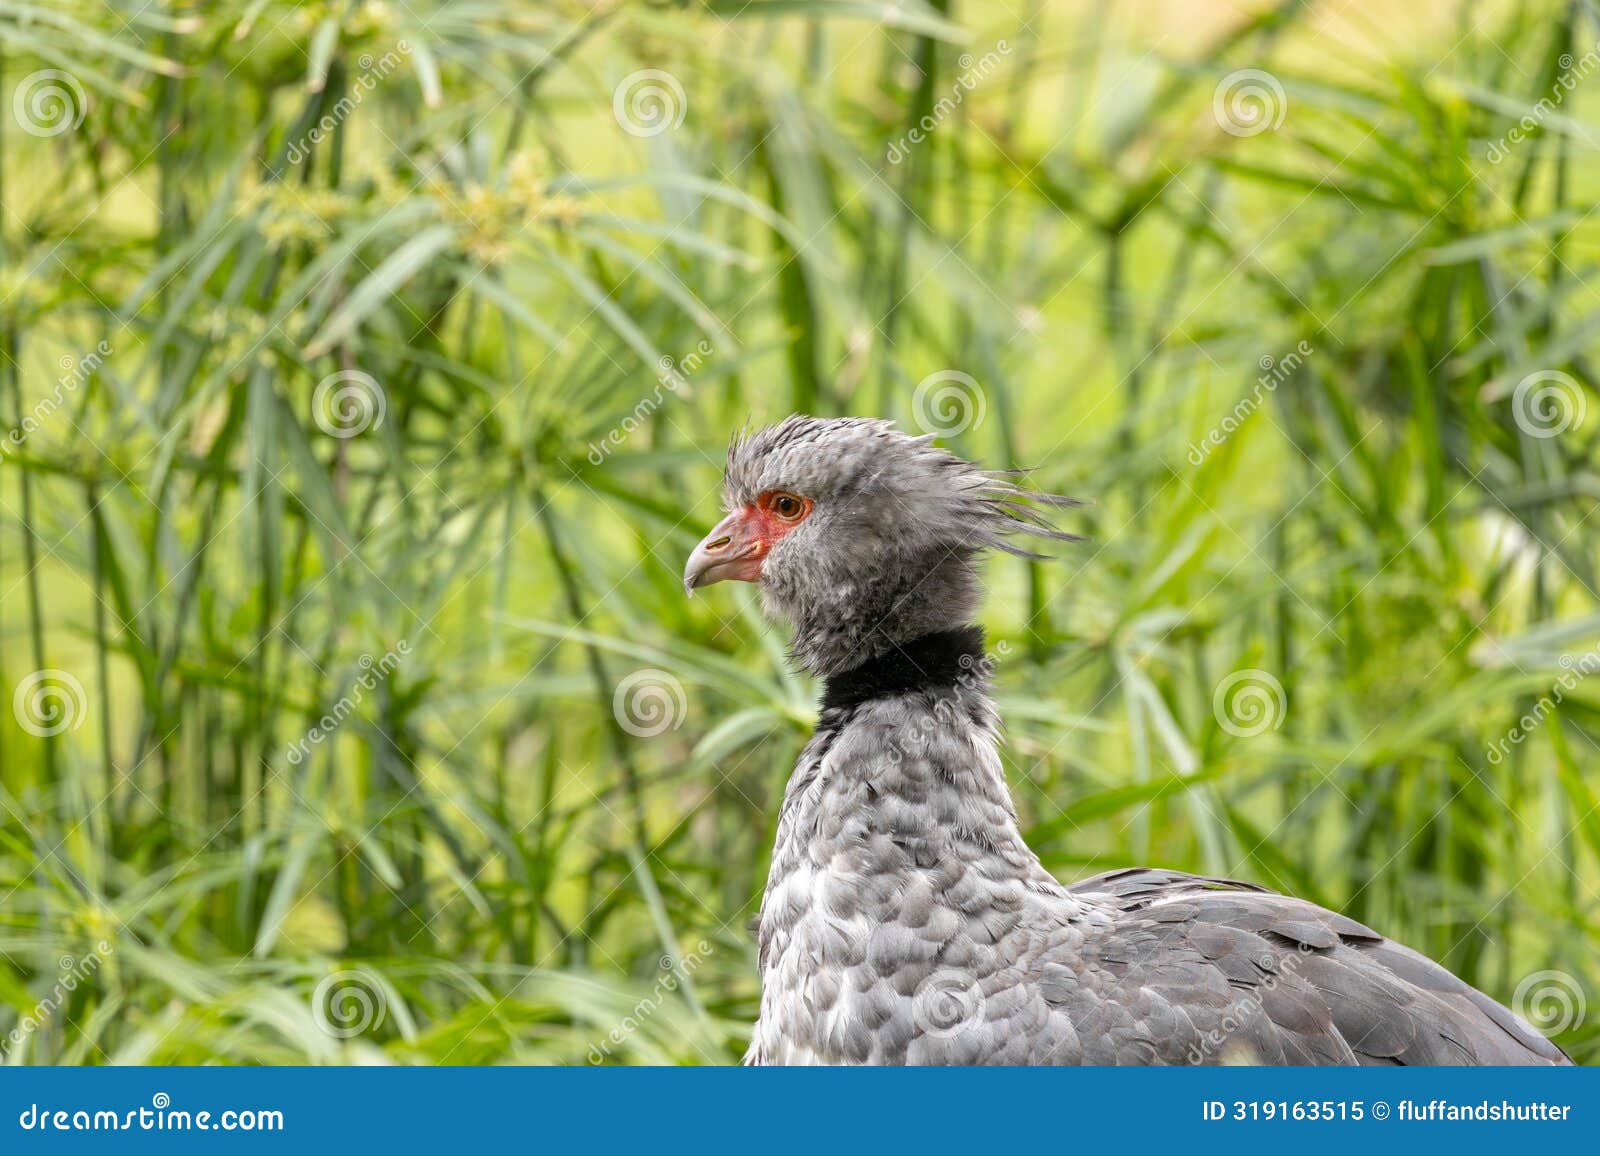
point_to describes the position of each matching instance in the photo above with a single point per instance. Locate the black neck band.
(929, 662)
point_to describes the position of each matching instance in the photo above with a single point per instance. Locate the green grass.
(483, 861)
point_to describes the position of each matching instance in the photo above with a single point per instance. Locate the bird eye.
(787, 506)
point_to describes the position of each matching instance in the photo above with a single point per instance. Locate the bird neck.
(939, 661)
(842, 620)
(901, 789)
(907, 747)
(922, 707)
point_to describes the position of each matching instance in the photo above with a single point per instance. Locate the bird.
(905, 920)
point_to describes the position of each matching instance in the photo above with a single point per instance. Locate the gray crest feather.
(913, 480)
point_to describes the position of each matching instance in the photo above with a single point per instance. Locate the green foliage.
(369, 365)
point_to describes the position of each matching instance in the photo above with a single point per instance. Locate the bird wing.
(1197, 970)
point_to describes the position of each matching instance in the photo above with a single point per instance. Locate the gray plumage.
(906, 921)
(889, 552)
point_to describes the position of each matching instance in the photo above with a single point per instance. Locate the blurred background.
(366, 370)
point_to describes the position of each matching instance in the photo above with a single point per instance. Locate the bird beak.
(733, 550)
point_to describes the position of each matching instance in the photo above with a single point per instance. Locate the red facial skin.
(740, 543)
(766, 526)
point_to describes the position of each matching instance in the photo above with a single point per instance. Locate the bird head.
(860, 536)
